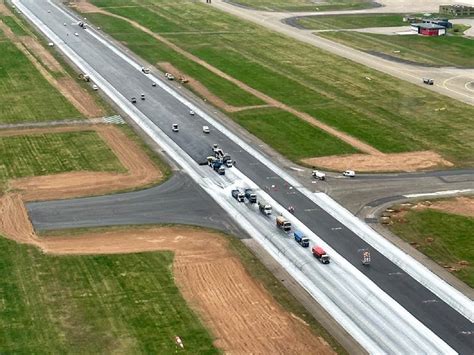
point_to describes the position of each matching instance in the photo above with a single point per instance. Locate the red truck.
(321, 255)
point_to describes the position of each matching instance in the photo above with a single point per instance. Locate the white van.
(349, 173)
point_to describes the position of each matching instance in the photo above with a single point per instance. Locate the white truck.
(318, 175)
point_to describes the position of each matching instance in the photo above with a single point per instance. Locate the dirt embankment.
(459, 205)
(242, 315)
(411, 161)
(141, 170)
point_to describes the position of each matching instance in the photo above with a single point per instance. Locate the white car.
(206, 129)
(64, 23)
(228, 163)
(169, 76)
(349, 173)
(175, 127)
(76, 34)
(95, 87)
(146, 70)
(50, 44)
(191, 113)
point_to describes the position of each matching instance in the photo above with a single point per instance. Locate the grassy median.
(305, 5)
(389, 114)
(350, 21)
(442, 50)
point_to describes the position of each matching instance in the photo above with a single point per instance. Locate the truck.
(218, 166)
(428, 81)
(301, 239)
(250, 195)
(321, 255)
(318, 175)
(265, 208)
(238, 195)
(282, 223)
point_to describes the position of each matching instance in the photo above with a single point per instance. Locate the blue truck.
(301, 239)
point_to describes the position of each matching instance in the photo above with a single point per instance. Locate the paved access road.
(164, 110)
(179, 200)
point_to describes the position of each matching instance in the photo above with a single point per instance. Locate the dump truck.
(282, 223)
(265, 208)
(301, 239)
(238, 195)
(321, 255)
(250, 195)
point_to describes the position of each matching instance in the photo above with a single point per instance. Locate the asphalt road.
(177, 201)
(452, 82)
(164, 110)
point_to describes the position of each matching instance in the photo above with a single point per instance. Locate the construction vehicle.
(218, 167)
(250, 195)
(84, 77)
(321, 255)
(265, 208)
(318, 175)
(238, 195)
(282, 223)
(301, 239)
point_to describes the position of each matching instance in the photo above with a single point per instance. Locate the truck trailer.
(321, 255)
(282, 223)
(250, 195)
(265, 208)
(238, 195)
(301, 239)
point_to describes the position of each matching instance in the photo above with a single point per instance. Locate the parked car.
(191, 113)
(95, 87)
(175, 127)
(146, 70)
(206, 129)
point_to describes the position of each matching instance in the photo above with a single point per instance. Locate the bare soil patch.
(460, 205)
(411, 161)
(83, 101)
(242, 315)
(141, 170)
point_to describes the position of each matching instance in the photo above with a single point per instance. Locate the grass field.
(452, 238)
(350, 21)
(296, 139)
(442, 50)
(10, 22)
(93, 304)
(390, 114)
(44, 154)
(305, 5)
(24, 94)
